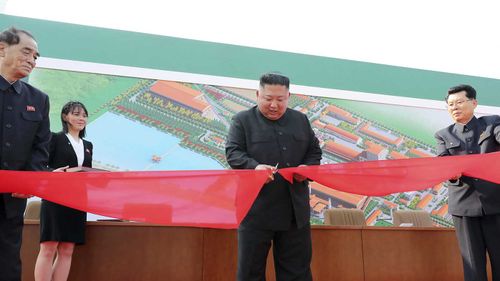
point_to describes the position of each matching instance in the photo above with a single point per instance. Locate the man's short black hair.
(11, 35)
(274, 78)
(470, 92)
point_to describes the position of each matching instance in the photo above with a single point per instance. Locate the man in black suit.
(24, 138)
(474, 203)
(265, 137)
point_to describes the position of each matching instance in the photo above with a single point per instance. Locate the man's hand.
(300, 178)
(21, 195)
(271, 170)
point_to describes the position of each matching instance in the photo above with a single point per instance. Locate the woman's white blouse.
(78, 148)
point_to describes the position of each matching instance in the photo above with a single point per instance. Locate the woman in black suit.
(62, 227)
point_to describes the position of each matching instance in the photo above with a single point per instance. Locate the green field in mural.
(94, 90)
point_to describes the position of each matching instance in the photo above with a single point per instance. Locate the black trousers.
(292, 253)
(11, 232)
(476, 237)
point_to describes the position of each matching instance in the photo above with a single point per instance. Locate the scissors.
(276, 168)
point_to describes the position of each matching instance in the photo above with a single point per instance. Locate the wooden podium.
(131, 251)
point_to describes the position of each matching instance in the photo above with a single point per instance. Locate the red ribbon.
(221, 199)
(379, 178)
(218, 199)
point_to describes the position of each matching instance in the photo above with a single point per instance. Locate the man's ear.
(3, 48)
(257, 93)
(474, 103)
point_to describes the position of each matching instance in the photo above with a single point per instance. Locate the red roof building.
(437, 188)
(373, 217)
(343, 133)
(318, 124)
(443, 211)
(425, 201)
(374, 151)
(366, 129)
(180, 95)
(302, 97)
(390, 204)
(341, 150)
(318, 204)
(418, 153)
(397, 155)
(341, 114)
(352, 199)
(312, 104)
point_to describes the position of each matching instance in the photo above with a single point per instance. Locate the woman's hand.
(21, 195)
(61, 169)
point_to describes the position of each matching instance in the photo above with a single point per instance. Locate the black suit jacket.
(25, 135)
(470, 196)
(61, 153)
(289, 142)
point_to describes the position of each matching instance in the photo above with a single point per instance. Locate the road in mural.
(142, 124)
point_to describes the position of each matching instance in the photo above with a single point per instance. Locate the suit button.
(280, 133)
(9, 107)
(469, 139)
(5, 164)
(8, 126)
(284, 148)
(470, 151)
(288, 164)
(7, 144)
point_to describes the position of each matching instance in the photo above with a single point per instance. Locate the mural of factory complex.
(176, 126)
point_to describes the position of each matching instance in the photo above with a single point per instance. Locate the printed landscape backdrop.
(142, 124)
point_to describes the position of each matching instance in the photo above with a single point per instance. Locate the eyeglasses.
(458, 103)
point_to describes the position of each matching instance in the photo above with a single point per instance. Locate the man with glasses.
(473, 203)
